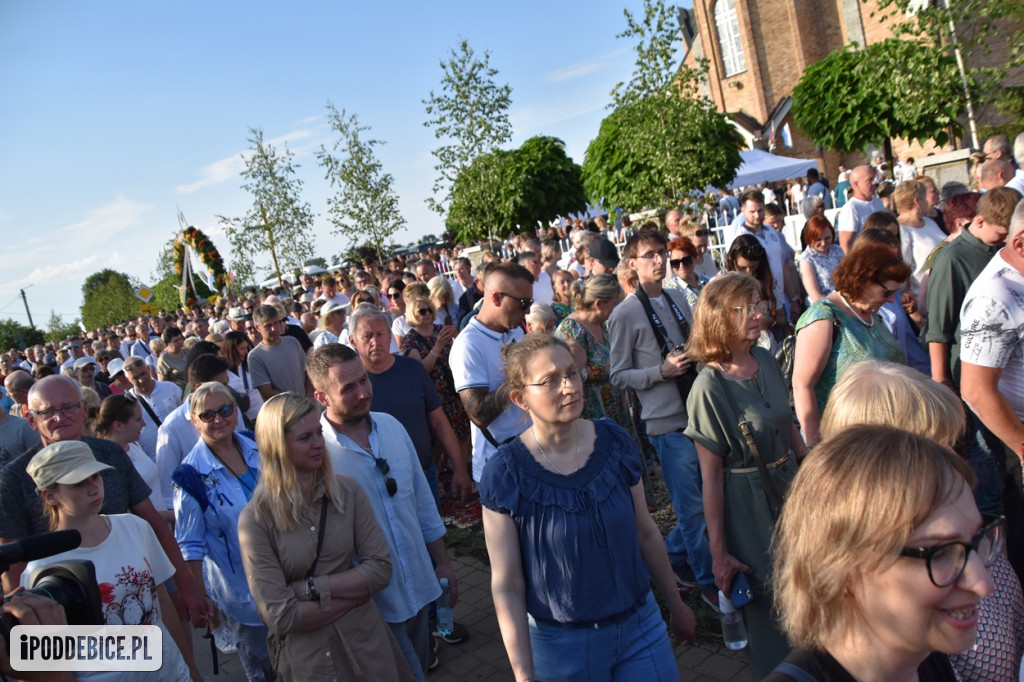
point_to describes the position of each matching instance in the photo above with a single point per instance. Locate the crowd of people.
(837, 423)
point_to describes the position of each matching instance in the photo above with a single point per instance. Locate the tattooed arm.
(482, 406)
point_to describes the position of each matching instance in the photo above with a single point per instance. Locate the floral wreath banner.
(191, 238)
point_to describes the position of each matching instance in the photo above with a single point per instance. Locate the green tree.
(470, 115)
(279, 222)
(365, 206)
(663, 138)
(854, 97)
(16, 335)
(57, 329)
(505, 190)
(108, 297)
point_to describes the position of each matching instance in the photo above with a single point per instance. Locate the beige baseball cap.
(66, 462)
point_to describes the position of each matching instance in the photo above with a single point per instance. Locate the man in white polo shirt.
(476, 362)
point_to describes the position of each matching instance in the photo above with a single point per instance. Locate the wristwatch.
(311, 592)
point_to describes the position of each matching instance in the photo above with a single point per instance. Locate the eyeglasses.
(887, 290)
(947, 561)
(224, 412)
(424, 311)
(651, 255)
(676, 263)
(751, 252)
(524, 303)
(761, 308)
(555, 383)
(389, 481)
(49, 413)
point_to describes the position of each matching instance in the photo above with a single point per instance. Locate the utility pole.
(27, 311)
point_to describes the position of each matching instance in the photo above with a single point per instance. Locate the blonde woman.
(317, 600)
(444, 301)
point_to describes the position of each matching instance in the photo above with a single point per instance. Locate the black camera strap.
(660, 333)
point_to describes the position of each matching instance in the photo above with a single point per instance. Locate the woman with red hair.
(820, 259)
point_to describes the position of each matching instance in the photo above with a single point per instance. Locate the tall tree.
(279, 222)
(503, 190)
(664, 138)
(108, 297)
(57, 329)
(854, 97)
(13, 334)
(365, 207)
(469, 114)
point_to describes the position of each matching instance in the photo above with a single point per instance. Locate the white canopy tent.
(760, 166)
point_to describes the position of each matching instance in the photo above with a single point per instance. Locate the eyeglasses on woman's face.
(947, 561)
(224, 412)
(754, 309)
(556, 382)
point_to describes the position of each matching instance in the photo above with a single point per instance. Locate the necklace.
(548, 459)
(868, 323)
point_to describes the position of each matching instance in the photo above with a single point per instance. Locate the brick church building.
(757, 51)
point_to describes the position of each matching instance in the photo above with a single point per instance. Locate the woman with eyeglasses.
(431, 344)
(741, 391)
(887, 394)
(682, 263)
(747, 256)
(881, 559)
(211, 487)
(820, 259)
(573, 549)
(314, 596)
(844, 328)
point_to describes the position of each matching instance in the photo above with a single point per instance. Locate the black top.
(820, 666)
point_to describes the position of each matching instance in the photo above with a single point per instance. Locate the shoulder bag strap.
(795, 672)
(147, 407)
(319, 535)
(774, 501)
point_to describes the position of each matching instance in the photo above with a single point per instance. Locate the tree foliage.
(279, 223)
(469, 114)
(108, 297)
(57, 329)
(505, 190)
(855, 97)
(664, 138)
(365, 206)
(14, 334)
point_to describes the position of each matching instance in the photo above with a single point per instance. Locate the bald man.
(995, 173)
(859, 206)
(476, 362)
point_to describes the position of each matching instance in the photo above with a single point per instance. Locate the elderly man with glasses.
(157, 399)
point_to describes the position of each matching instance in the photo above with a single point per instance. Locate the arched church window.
(729, 42)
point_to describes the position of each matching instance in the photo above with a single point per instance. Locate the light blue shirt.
(409, 520)
(212, 536)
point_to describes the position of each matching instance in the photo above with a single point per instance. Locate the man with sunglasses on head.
(157, 399)
(477, 365)
(375, 450)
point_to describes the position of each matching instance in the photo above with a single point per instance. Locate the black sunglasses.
(524, 303)
(685, 260)
(224, 412)
(701, 233)
(424, 311)
(389, 481)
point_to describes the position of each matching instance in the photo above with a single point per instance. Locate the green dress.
(852, 341)
(763, 401)
(600, 398)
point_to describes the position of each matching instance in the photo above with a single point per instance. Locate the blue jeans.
(681, 471)
(988, 492)
(252, 649)
(635, 649)
(413, 637)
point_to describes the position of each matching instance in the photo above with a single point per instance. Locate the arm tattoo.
(482, 406)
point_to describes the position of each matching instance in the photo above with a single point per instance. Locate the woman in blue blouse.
(573, 549)
(212, 485)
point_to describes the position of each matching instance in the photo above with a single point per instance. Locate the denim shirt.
(212, 536)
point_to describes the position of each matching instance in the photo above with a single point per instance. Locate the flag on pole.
(787, 138)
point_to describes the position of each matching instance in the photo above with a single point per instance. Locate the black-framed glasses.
(947, 561)
(51, 412)
(224, 412)
(524, 303)
(887, 290)
(661, 254)
(389, 481)
(685, 261)
(554, 383)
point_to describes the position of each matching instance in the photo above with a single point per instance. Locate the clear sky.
(115, 114)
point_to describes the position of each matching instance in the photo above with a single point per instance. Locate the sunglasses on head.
(701, 233)
(225, 411)
(389, 481)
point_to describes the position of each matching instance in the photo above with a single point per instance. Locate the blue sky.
(118, 113)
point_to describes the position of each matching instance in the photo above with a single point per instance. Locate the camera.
(678, 350)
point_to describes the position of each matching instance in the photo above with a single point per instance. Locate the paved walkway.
(482, 658)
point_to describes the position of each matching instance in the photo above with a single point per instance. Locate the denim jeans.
(252, 649)
(638, 648)
(681, 471)
(988, 492)
(413, 637)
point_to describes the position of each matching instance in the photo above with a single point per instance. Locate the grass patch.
(467, 542)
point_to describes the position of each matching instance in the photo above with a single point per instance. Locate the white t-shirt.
(130, 565)
(543, 291)
(855, 211)
(165, 398)
(150, 473)
(399, 327)
(992, 327)
(476, 361)
(916, 244)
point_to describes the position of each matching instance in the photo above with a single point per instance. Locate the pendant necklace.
(548, 459)
(869, 323)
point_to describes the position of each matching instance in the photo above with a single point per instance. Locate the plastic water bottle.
(445, 624)
(734, 632)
